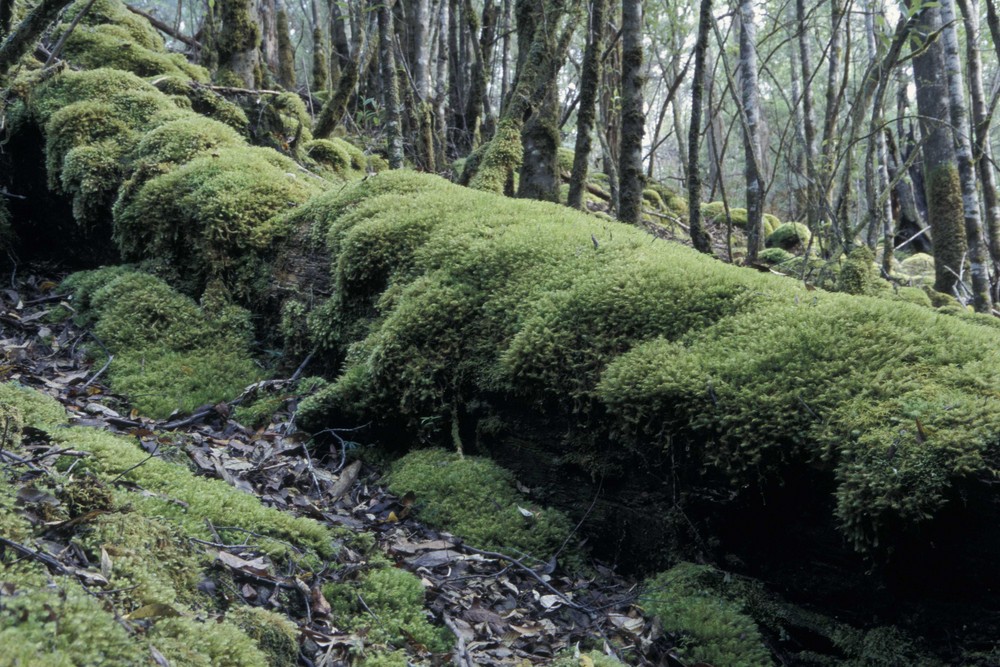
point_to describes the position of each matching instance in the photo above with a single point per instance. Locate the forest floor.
(501, 610)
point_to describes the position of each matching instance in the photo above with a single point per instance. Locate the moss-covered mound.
(636, 347)
(170, 354)
(134, 517)
(477, 500)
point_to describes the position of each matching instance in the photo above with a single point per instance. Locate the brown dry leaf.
(627, 623)
(320, 607)
(433, 559)
(106, 564)
(256, 566)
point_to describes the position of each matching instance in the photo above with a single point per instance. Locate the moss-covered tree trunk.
(750, 110)
(590, 80)
(978, 262)
(286, 50)
(239, 37)
(539, 176)
(942, 184)
(350, 73)
(632, 179)
(390, 86)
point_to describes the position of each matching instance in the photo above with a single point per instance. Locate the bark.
(750, 104)
(333, 110)
(876, 160)
(419, 19)
(632, 179)
(341, 53)
(477, 80)
(590, 80)
(981, 121)
(286, 50)
(319, 64)
(699, 238)
(978, 265)
(390, 86)
(441, 86)
(813, 210)
(942, 185)
(239, 37)
(457, 127)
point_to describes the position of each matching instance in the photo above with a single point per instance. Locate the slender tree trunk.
(981, 121)
(978, 260)
(390, 86)
(941, 178)
(590, 80)
(239, 37)
(419, 22)
(750, 103)
(286, 50)
(340, 56)
(630, 174)
(699, 238)
(334, 109)
(22, 38)
(441, 86)
(319, 61)
(813, 207)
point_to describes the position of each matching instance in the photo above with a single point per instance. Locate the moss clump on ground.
(859, 275)
(392, 612)
(585, 659)
(789, 236)
(475, 499)
(775, 256)
(275, 635)
(709, 628)
(170, 354)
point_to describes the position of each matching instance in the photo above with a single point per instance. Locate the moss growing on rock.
(859, 275)
(476, 499)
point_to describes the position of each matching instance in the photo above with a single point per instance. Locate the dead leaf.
(106, 563)
(256, 566)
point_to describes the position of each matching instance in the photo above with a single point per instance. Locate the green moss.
(205, 101)
(859, 275)
(585, 659)
(181, 140)
(501, 157)
(60, 625)
(771, 224)
(475, 499)
(564, 159)
(388, 659)
(213, 217)
(789, 236)
(392, 612)
(34, 408)
(211, 643)
(114, 12)
(711, 629)
(445, 295)
(335, 154)
(672, 202)
(276, 636)
(775, 256)
(200, 498)
(115, 46)
(914, 295)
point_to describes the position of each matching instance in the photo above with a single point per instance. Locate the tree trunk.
(390, 86)
(632, 179)
(978, 261)
(419, 20)
(334, 109)
(6, 16)
(441, 87)
(590, 80)
(22, 38)
(813, 210)
(239, 37)
(981, 121)
(942, 183)
(699, 238)
(750, 104)
(340, 52)
(286, 50)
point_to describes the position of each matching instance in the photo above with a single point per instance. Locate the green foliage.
(396, 599)
(31, 407)
(115, 46)
(789, 236)
(390, 659)
(204, 101)
(711, 629)
(914, 295)
(475, 499)
(500, 158)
